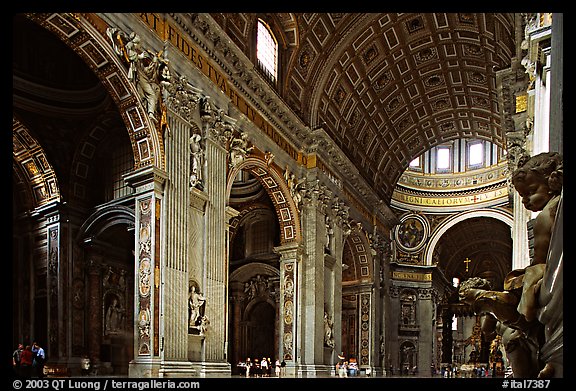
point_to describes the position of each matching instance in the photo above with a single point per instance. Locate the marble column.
(520, 244)
(289, 305)
(392, 324)
(236, 348)
(338, 239)
(426, 337)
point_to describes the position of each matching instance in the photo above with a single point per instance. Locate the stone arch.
(243, 273)
(242, 325)
(275, 186)
(436, 235)
(84, 38)
(246, 272)
(85, 155)
(103, 219)
(359, 247)
(34, 175)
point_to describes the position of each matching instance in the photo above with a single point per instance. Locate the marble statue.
(529, 308)
(328, 330)
(195, 301)
(196, 162)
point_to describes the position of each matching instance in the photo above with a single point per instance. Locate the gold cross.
(467, 261)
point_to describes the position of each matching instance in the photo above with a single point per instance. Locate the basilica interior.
(192, 190)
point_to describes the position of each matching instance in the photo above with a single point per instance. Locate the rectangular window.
(475, 154)
(443, 158)
(266, 49)
(416, 164)
(121, 162)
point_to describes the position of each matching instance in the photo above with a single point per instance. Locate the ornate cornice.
(207, 34)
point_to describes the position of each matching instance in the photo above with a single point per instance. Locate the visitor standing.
(16, 358)
(26, 360)
(39, 359)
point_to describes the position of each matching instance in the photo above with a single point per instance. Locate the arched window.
(267, 51)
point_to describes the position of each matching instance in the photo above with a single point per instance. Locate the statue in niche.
(329, 233)
(196, 162)
(538, 180)
(195, 301)
(328, 330)
(114, 316)
(202, 325)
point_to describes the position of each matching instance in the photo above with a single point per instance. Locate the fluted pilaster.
(175, 286)
(216, 269)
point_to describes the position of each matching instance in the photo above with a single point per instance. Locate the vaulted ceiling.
(386, 87)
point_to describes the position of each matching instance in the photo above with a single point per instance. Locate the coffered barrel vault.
(387, 87)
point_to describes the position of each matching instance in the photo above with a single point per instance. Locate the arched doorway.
(260, 324)
(254, 320)
(358, 299)
(254, 272)
(472, 244)
(106, 241)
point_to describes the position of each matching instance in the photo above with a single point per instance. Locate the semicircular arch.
(277, 190)
(436, 235)
(103, 219)
(32, 168)
(361, 256)
(80, 35)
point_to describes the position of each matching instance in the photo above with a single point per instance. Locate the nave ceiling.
(386, 87)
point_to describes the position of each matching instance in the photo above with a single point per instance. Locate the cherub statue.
(538, 180)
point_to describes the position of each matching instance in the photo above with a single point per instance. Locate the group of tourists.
(346, 368)
(261, 368)
(28, 361)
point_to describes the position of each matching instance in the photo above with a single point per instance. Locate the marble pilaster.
(425, 314)
(148, 183)
(310, 348)
(175, 265)
(215, 276)
(94, 312)
(520, 246)
(289, 304)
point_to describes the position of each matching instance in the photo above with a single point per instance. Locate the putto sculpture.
(529, 309)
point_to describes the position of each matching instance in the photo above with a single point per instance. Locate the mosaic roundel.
(412, 232)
